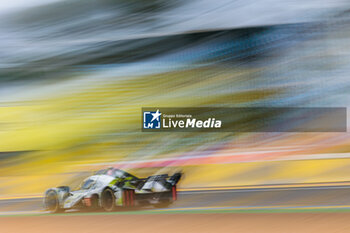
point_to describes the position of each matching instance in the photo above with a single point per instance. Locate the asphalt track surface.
(336, 197)
(318, 209)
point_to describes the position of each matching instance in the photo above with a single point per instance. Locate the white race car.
(111, 188)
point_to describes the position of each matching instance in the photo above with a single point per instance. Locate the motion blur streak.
(75, 74)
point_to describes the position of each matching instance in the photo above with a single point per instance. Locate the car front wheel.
(108, 200)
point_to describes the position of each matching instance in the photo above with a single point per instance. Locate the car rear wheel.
(108, 200)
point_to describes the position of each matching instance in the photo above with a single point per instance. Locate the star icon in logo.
(156, 115)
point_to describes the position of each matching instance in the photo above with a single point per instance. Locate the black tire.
(52, 203)
(108, 200)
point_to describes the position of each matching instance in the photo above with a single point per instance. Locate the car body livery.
(111, 188)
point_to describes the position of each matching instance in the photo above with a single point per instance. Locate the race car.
(111, 188)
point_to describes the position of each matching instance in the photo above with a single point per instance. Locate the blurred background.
(74, 75)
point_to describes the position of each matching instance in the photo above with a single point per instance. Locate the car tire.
(52, 203)
(108, 200)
